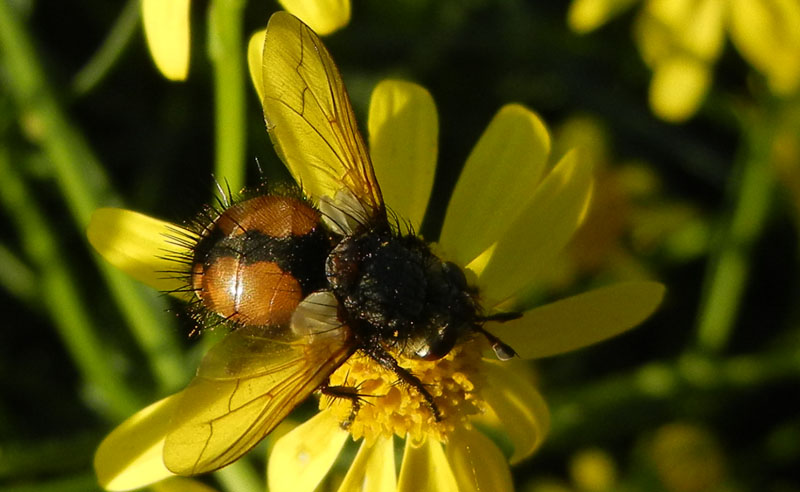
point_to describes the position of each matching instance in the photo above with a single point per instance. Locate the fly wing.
(247, 384)
(311, 121)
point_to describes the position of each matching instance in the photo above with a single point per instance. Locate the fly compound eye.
(438, 343)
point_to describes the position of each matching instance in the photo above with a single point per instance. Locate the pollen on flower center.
(390, 407)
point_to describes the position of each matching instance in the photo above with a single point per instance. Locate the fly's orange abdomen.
(259, 259)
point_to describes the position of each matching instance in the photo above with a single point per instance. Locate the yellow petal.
(519, 407)
(255, 53)
(323, 16)
(581, 320)
(372, 469)
(425, 467)
(403, 141)
(166, 27)
(145, 248)
(767, 33)
(678, 87)
(130, 457)
(541, 231)
(301, 459)
(691, 27)
(588, 15)
(498, 180)
(477, 462)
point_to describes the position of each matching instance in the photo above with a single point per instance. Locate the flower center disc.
(390, 407)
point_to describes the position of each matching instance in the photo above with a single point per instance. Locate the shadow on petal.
(425, 467)
(541, 230)
(477, 462)
(519, 407)
(372, 469)
(301, 459)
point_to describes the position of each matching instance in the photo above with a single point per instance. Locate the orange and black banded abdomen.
(259, 259)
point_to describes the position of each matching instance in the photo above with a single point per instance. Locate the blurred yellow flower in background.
(630, 219)
(688, 458)
(681, 40)
(166, 27)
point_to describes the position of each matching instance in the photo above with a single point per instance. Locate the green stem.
(49, 456)
(16, 277)
(751, 192)
(86, 482)
(85, 187)
(59, 296)
(239, 477)
(575, 412)
(108, 53)
(226, 50)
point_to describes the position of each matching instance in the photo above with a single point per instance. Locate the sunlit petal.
(587, 15)
(767, 33)
(131, 456)
(301, 459)
(141, 246)
(497, 182)
(166, 27)
(255, 50)
(323, 16)
(520, 409)
(695, 27)
(425, 467)
(372, 469)
(581, 320)
(403, 142)
(678, 87)
(477, 462)
(541, 231)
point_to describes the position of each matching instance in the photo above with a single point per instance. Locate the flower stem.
(751, 192)
(226, 50)
(629, 402)
(104, 58)
(109, 52)
(58, 294)
(85, 187)
(17, 277)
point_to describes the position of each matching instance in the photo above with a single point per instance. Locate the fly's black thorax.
(395, 291)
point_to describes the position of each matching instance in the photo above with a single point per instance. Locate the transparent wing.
(246, 385)
(310, 119)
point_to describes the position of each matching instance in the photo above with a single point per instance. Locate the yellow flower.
(682, 39)
(509, 215)
(166, 28)
(687, 458)
(630, 217)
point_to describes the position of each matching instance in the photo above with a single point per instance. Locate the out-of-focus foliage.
(698, 398)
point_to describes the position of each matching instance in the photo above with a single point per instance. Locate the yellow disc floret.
(389, 406)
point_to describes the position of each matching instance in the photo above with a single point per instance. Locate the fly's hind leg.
(351, 393)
